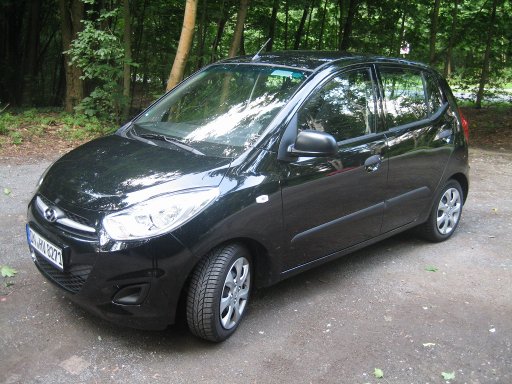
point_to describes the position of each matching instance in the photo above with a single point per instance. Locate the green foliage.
(24, 126)
(7, 123)
(16, 137)
(82, 127)
(378, 373)
(99, 53)
(448, 375)
(7, 271)
(156, 26)
(9, 126)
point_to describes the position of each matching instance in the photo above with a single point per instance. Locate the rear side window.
(404, 96)
(343, 107)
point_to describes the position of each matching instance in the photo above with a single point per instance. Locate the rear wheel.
(219, 292)
(445, 215)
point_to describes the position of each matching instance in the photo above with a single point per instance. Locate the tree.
(272, 26)
(484, 77)
(71, 14)
(127, 39)
(155, 33)
(221, 24)
(347, 29)
(239, 29)
(449, 50)
(300, 29)
(433, 31)
(31, 49)
(184, 46)
(98, 52)
(322, 26)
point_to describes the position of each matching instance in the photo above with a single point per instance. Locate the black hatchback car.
(248, 172)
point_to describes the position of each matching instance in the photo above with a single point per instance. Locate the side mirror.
(311, 143)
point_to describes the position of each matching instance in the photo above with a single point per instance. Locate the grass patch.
(28, 132)
(28, 124)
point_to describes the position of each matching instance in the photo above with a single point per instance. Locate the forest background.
(75, 69)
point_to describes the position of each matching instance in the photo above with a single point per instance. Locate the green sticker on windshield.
(289, 74)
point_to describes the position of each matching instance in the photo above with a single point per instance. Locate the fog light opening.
(131, 294)
(33, 255)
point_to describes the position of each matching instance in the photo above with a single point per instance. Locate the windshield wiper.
(176, 142)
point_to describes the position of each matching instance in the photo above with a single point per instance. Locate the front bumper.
(148, 275)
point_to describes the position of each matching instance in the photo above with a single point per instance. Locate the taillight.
(465, 125)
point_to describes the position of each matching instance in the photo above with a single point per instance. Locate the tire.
(445, 214)
(219, 292)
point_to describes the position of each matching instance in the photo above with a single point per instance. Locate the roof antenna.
(257, 55)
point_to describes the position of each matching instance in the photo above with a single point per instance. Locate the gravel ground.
(377, 308)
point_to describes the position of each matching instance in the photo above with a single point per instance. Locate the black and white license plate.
(45, 248)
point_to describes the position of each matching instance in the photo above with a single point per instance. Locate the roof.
(313, 60)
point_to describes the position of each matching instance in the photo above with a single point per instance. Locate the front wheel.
(445, 215)
(219, 292)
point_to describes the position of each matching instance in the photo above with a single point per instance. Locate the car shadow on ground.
(298, 289)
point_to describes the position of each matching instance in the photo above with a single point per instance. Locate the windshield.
(223, 110)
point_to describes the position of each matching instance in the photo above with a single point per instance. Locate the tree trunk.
(221, 24)
(31, 50)
(11, 52)
(201, 31)
(72, 12)
(306, 36)
(484, 77)
(286, 20)
(300, 30)
(448, 62)
(127, 40)
(136, 52)
(322, 27)
(433, 31)
(340, 21)
(187, 33)
(347, 29)
(272, 26)
(237, 35)
(401, 33)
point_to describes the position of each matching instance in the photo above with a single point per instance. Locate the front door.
(331, 203)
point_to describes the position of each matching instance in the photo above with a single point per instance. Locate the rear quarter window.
(434, 95)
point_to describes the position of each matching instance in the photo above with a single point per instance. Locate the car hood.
(113, 172)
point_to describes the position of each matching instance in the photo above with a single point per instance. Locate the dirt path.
(377, 308)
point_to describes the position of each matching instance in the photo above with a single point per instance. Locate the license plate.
(49, 251)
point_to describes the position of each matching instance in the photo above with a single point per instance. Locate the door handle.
(373, 163)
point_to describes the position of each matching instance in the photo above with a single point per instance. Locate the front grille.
(78, 219)
(70, 223)
(71, 280)
(70, 215)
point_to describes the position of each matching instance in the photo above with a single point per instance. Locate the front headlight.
(158, 215)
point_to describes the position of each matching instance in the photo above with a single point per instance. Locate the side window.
(404, 96)
(344, 107)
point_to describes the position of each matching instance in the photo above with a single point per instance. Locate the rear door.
(331, 203)
(420, 132)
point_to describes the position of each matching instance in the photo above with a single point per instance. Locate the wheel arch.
(263, 274)
(464, 184)
(262, 266)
